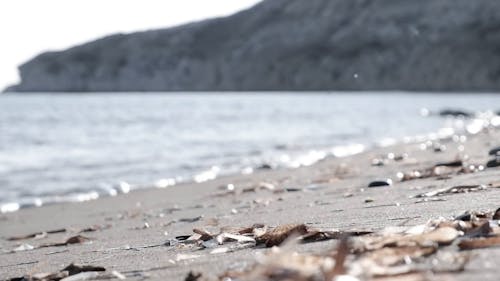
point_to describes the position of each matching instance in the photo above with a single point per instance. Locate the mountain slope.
(437, 45)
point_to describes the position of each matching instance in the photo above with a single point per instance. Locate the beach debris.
(82, 276)
(345, 262)
(78, 239)
(379, 162)
(203, 234)
(477, 243)
(430, 199)
(453, 164)
(193, 276)
(92, 228)
(452, 190)
(397, 253)
(380, 183)
(23, 247)
(36, 234)
(481, 230)
(19, 264)
(184, 220)
(391, 256)
(118, 275)
(441, 171)
(496, 215)
(72, 272)
(438, 147)
(455, 113)
(223, 237)
(259, 234)
(190, 220)
(277, 235)
(493, 163)
(44, 234)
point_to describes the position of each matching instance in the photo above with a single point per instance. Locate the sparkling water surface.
(74, 147)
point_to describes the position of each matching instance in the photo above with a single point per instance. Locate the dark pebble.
(182, 237)
(293, 189)
(265, 167)
(496, 216)
(454, 113)
(495, 151)
(380, 183)
(457, 163)
(493, 163)
(464, 217)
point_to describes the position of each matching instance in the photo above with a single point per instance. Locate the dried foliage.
(70, 270)
(403, 254)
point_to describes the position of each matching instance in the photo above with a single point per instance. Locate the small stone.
(494, 151)
(496, 215)
(493, 163)
(379, 183)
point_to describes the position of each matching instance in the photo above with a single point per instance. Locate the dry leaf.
(82, 276)
(279, 234)
(340, 258)
(72, 270)
(451, 190)
(321, 235)
(394, 256)
(482, 230)
(496, 215)
(204, 235)
(455, 163)
(193, 276)
(440, 236)
(78, 239)
(223, 237)
(33, 235)
(477, 243)
(418, 276)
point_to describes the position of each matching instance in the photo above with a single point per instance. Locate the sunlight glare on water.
(56, 148)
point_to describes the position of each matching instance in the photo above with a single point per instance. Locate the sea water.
(76, 147)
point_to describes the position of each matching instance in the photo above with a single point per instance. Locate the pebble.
(494, 151)
(379, 183)
(493, 163)
(454, 113)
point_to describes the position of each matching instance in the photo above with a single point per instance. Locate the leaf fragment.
(280, 233)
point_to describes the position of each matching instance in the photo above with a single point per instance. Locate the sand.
(330, 194)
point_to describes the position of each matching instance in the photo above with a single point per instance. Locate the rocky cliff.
(428, 45)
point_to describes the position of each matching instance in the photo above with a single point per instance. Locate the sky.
(29, 27)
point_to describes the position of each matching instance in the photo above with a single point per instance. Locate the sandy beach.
(141, 235)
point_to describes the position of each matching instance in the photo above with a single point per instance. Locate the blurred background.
(31, 27)
(102, 97)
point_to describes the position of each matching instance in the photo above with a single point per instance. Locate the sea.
(76, 147)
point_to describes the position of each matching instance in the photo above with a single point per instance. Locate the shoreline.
(297, 159)
(331, 194)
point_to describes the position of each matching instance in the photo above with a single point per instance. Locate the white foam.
(210, 174)
(164, 183)
(9, 207)
(347, 150)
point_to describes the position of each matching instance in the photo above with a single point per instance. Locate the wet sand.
(133, 231)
